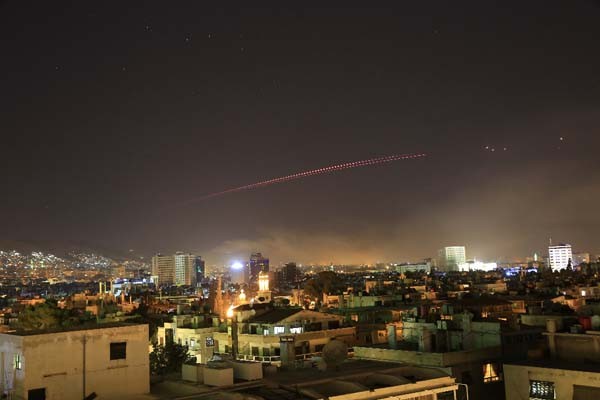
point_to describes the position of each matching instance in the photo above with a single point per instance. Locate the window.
(490, 373)
(541, 390)
(192, 342)
(279, 329)
(118, 351)
(333, 324)
(18, 361)
(585, 392)
(36, 394)
(296, 329)
(265, 331)
(266, 351)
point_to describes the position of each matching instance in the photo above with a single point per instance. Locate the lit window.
(541, 390)
(266, 332)
(279, 329)
(296, 329)
(192, 342)
(18, 361)
(490, 373)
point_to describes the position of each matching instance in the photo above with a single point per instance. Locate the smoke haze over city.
(137, 110)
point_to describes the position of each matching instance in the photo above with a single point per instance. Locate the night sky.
(115, 116)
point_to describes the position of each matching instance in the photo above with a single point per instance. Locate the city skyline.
(136, 110)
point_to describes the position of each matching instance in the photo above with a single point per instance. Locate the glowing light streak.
(313, 172)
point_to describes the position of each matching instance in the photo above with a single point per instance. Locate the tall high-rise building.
(560, 256)
(451, 257)
(200, 267)
(257, 264)
(177, 269)
(289, 274)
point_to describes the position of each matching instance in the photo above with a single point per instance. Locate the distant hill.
(61, 249)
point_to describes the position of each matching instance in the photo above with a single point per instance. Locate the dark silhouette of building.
(257, 264)
(200, 269)
(289, 274)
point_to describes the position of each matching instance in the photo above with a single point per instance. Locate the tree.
(168, 358)
(49, 316)
(324, 282)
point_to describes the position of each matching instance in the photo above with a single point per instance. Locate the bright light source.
(230, 312)
(237, 265)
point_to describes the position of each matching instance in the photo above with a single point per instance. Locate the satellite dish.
(334, 353)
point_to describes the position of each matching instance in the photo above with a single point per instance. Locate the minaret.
(264, 294)
(218, 303)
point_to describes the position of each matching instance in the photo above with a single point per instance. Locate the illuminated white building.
(451, 257)
(477, 266)
(560, 256)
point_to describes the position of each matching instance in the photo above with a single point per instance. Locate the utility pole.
(84, 343)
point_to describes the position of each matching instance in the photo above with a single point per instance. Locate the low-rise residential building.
(548, 379)
(194, 331)
(256, 332)
(109, 361)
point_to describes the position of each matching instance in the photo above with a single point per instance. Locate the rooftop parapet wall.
(426, 359)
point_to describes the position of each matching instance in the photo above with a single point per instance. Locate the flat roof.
(559, 364)
(84, 327)
(353, 368)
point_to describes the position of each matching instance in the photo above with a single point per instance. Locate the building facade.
(451, 257)
(560, 256)
(111, 362)
(256, 332)
(178, 269)
(194, 331)
(549, 380)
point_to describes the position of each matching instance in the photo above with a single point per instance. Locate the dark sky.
(114, 113)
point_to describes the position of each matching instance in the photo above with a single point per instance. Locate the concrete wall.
(55, 362)
(248, 371)
(427, 359)
(193, 373)
(218, 376)
(540, 320)
(517, 377)
(579, 348)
